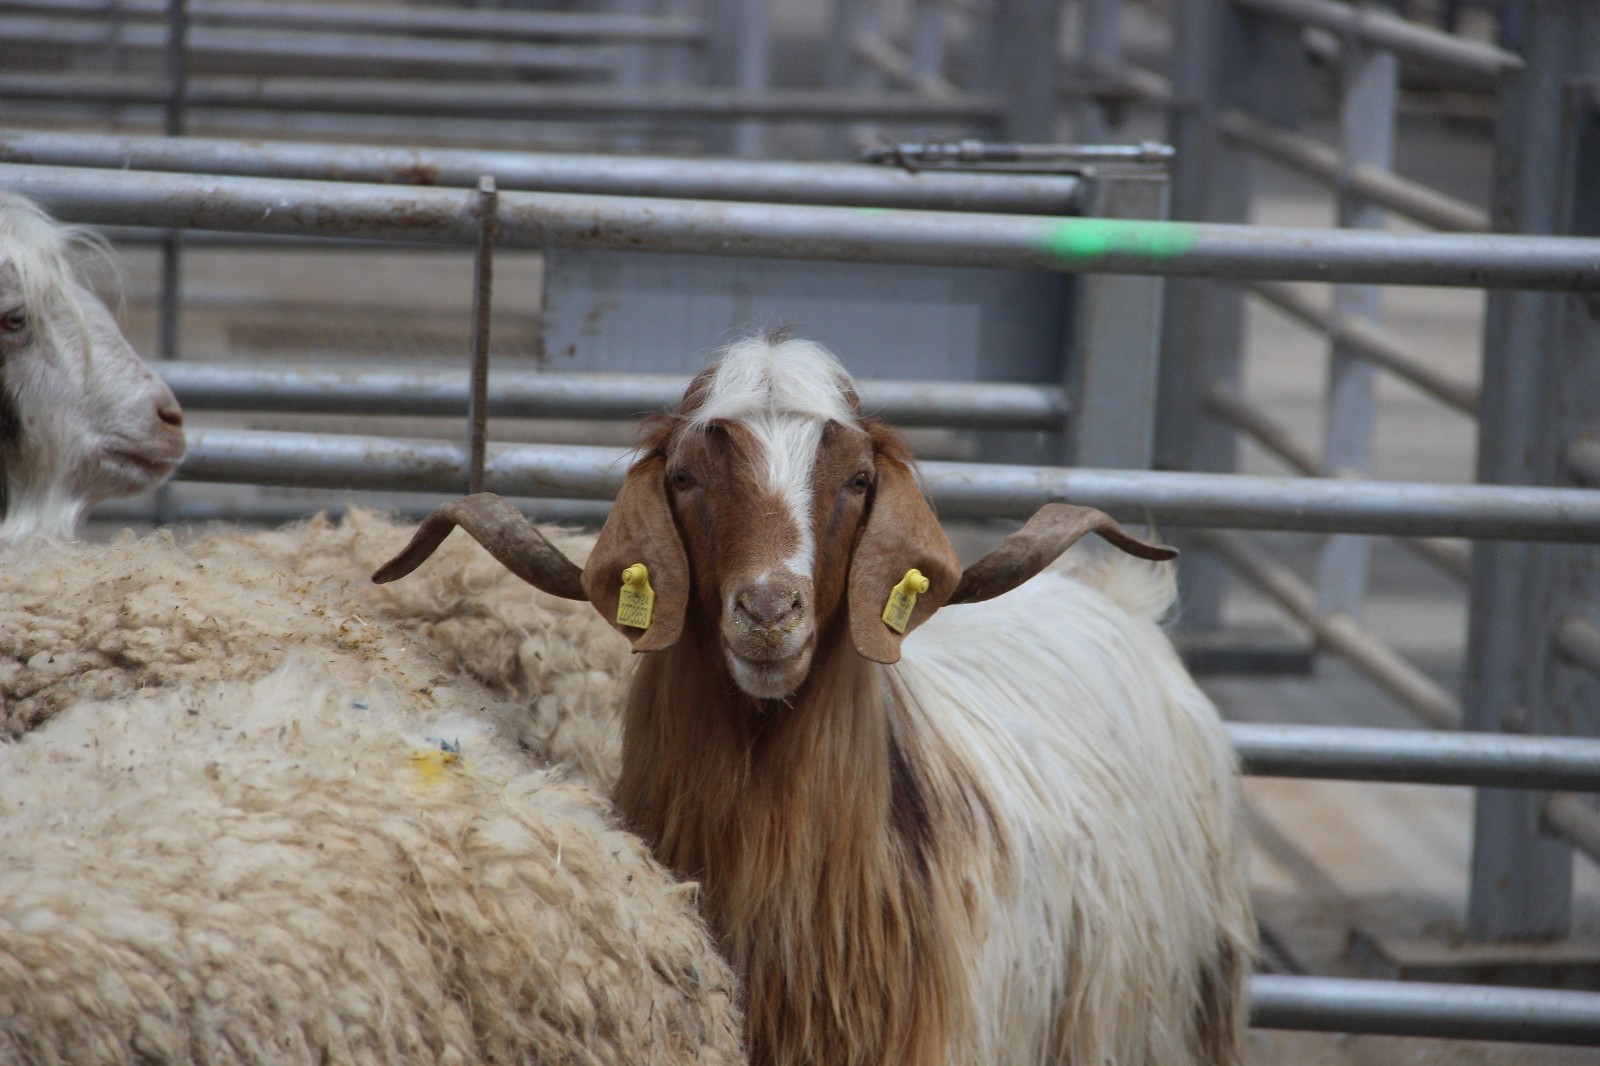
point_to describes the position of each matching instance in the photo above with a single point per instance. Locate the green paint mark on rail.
(1091, 238)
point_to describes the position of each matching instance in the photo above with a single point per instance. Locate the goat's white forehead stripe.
(788, 454)
(784, 393)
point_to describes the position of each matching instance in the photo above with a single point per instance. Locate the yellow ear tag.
(637, 600)
(897, 612)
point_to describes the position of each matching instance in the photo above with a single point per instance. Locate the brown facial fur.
(740, 536)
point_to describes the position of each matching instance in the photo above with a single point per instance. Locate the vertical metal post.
(1026, 49)
(1224, 57)
(632, 70)
(741, 57)
(1367, 120)
(851, 19)
(177, 62)
(1116, 341)
(482, 302)
(1099, 54)
(927, 38)
(1541, 362)
(170, 320)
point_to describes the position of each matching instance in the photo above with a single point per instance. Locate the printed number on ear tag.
(897, 612)
(637, 600)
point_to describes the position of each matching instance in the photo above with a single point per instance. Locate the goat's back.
(1118, 927)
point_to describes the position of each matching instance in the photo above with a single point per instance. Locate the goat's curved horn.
(507, 535)
(1053, 529)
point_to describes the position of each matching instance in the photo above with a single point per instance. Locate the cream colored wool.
(96, 621)
(289, 870)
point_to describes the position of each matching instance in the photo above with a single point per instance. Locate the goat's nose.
(769, 605)
(170, 413)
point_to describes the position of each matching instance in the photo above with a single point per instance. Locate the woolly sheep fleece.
(230, 833)
(81, 621)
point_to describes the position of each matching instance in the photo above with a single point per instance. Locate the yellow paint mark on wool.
(435, 767)
(637, 600)
(903, 600)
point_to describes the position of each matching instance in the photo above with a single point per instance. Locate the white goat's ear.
(641, 530)
(901, 534)
(1053, 529)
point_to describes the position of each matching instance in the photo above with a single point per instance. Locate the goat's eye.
(14, 322)
(681, 480)
(861, 482)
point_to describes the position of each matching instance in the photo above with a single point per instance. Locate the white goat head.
(769, 516)
(82, 419)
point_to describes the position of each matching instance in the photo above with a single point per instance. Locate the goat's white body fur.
(1112, 775)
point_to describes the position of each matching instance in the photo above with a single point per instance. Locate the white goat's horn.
(1053, 529)
(505, 532)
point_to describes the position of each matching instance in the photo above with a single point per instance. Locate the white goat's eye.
(14, 322)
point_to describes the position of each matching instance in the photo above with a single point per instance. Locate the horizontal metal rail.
(961, 489)
(833, 184)
(535, 394)
(1339, 633)
(1311, 157)
(348, 19)
(539, 220)
(1412, 1008)
(1406, 39)
(293, 51)
(475, 99)
(1373, 343)
(1482, 760)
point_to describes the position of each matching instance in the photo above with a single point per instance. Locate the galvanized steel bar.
(1314, 159)
(476, 99)
(537, 394)
(829, 184)
(961, 489)
(1383, 30)
(1370, 92)
(1414, 756)
(355, 19)
(1371, 342)
(1414, 1008)
(538, 220)
(299, 52)
(1338, 633)
(482, 306)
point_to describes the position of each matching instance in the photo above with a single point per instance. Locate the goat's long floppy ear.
(1053, 529)
(641, 530)
(901, 534)
(504, 531)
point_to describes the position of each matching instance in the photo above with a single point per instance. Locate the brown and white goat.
(1018, 844)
